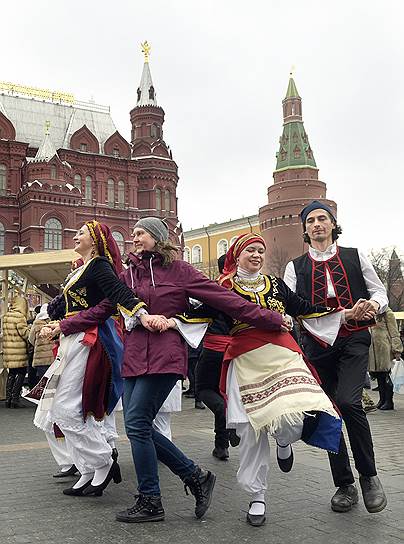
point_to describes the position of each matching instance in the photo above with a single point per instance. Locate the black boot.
(381, 385)
(221, 453)
(9, 389)
(201, 484)
(146, 508)
(17, 387)
(344, 498)
(388, 394)
(373, 495)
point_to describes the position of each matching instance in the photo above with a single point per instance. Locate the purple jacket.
(166, 291)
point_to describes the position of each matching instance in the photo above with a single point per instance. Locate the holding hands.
(363, 310)
(156, 323)
(50, 331)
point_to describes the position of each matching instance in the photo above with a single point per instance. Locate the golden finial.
(146, 50)
(47, 127)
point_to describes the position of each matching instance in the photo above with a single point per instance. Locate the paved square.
(33, 508)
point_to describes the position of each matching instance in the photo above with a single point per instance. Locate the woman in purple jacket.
(154, 362)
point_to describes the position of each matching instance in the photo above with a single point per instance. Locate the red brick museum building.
(63, 162)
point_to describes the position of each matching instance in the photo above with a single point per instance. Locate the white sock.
(283, 452)
(101, 473)
(257, 508)
(84, 479)
(65, 469)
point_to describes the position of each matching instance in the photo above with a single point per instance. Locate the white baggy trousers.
(86, 441)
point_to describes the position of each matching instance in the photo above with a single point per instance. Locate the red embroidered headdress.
(106, 244)
(230, 263)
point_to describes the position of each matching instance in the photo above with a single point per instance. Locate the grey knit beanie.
(155, 227)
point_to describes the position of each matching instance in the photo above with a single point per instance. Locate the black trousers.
(342, 369)
(207, 377)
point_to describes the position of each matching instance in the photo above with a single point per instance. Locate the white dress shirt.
(377, 291)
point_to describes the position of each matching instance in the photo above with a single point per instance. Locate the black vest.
(351, 271)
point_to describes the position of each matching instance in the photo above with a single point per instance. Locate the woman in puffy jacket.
(386, 345)
(15, 358)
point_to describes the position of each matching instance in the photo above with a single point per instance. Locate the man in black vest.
(337, 276)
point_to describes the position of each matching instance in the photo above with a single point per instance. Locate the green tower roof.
(292, 90)
(294, 150)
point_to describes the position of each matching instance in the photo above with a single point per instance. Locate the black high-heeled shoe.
(113, 474)
(78, 491)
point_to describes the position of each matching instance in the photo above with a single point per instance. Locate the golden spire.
(146, 50)
(47, 127)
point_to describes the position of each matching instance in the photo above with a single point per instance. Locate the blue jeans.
(143, 397)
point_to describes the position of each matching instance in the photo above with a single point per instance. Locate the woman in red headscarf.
(85, 383)
(269, 387)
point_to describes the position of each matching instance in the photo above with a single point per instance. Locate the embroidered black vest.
(345, 273)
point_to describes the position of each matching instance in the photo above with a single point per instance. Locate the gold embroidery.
(133, 311)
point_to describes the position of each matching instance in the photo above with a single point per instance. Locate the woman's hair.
(57, 308)
(167, 250)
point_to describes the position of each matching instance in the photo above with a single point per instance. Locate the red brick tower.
(158, 175)
(295, 184)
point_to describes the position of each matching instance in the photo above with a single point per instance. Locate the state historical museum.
(63, 162)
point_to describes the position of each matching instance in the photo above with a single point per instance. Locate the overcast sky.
(220, 69)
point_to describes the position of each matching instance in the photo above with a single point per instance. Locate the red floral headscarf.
(106, 244)
(230, 263)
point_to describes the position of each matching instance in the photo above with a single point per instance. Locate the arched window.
(111, 193)
(187, 254)
(3, 178)
(222, 247)
(2, 236)
(77, 181)
(196, 254)
(121, 194)
(119, 239)
(89, 190)
(53, 172)
(53, 234)
(167, 200)
(233, 240)
(158, 199)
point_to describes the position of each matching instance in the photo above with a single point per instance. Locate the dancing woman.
(86, 384)
(269, 387)
(154, 362)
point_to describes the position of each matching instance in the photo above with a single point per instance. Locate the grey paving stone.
(33, 508)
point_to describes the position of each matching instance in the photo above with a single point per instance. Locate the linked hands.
(50, 331)
(363, 310)
(287, 323)
(156, 323)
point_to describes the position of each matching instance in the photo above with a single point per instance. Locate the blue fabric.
(142, 399)
(315, 205)
(322, 431)
(113, 346)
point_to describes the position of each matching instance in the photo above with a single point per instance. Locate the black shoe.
(345, 497)
(71, 472)
(199, 405)
(234, 438)
(114, 454)
(285, 464)
(146, 508)
(388, 405)
(78, 492)
(373, 495)
(256, 520)
(113, 474)
(221, 453)
(201, 484)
